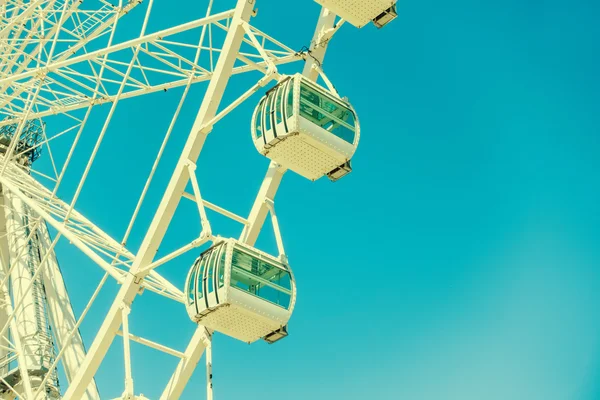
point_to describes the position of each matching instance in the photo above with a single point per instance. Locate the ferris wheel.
(60, 59)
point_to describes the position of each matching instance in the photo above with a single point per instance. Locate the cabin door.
(210, 278)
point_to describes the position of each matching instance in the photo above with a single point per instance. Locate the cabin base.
(300, 154)
(237, 322)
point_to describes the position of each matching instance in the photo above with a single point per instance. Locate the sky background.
(460, 259)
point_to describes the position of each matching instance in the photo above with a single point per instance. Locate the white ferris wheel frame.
(56, 85)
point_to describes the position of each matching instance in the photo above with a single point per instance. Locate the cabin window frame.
(281, 290)
(191, 283)
(258, 127)
(324, 96)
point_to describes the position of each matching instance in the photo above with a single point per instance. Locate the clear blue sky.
(461, 258)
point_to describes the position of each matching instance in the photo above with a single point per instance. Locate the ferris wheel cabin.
(360, 12)
(241, 292)
(306, 128)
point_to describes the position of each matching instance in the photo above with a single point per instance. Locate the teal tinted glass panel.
(211, 270)
(290, 99)
(222, 267)
(253, 275)
(278, 101)
(259, 132)
(191, 280)
(199, 285)
(268, 115)
(327, 112)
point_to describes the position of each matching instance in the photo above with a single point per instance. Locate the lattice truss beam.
(99, 246)
(49, 68)
(34, 33)
(64, 80)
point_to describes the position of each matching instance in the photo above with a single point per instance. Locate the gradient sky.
(461, 258)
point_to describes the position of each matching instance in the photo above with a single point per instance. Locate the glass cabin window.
(191, 282)
(278, 109)
(290, 99)
(222, 267)
(199, 283)
(327, 112)
(211, 270)
(253, 275)
(259, 131)
(267, 115)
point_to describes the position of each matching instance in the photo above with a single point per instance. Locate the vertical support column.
(5, 300)
(4, 353)
(128, 393)
(5, 303)
(23, 326)
(163, 216)
(209, 385)
(62, 317)
(21, 277)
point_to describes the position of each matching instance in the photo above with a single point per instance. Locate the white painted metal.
(275, 172)
(209, 376)
(260, 210)
(4, 350)
(256, 219)
(62, 317)
(46, 68)
(198, 343)
(318, 45)
(15, 345)
(153, 345)
(174, 70)
(128, 393)
(166, 210)
(30, 315)
(5, 306)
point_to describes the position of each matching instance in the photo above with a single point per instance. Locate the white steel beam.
(25, 328)
(5, 306)
(165, 213)
(153, 345)
(270, 185)
(319, 43)
(209, 375)
(54, 66)
(255, 223)
(260, 210)
(88, 238)
(82, 38)
(251, 230)
(62, 317)
(185, 368)
(67, 84)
